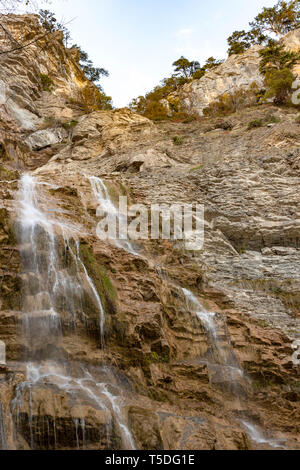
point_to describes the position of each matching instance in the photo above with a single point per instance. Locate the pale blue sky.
(138, 40)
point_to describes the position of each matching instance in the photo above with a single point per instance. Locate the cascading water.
(55, 280)
(223, 364)
(105, 203)
(3, 445)
(257, 436)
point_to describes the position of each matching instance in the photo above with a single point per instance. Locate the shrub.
(297, 120)
(255, 124)
(178, 140)
(279, 83)
(272, 119)
(268, 119)
(230, 103)
(198, 74)
(225, 125)
(47, 82)
(189, 119)
(95, 99)
(69, 125)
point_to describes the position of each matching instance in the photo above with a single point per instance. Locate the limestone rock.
(238, 72)
(45, 138)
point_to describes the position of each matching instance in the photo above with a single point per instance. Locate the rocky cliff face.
(142, 345)
(238, 72)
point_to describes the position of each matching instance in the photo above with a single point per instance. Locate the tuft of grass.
(269, 119)
(69, 125)
(199, 167)
(256, 123)
(178, 140)
(272, 119)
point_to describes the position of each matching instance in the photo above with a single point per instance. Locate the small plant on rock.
(47, 82)
(255, 124)
(178, 140)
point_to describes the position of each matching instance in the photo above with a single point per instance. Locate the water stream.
(55, 280)
(3, 445)
(103, 198)
(223, 366)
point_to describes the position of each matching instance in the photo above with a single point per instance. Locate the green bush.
(229, 103)
(279, 84)
(47, 82)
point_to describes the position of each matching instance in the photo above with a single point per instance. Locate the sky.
(138, 40)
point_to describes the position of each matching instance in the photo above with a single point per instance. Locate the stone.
(45, 138)
(161, 374)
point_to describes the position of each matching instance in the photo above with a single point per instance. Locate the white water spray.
(105, 203)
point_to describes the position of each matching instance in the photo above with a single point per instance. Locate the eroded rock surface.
(163, 380)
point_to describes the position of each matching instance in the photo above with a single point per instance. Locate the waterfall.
(52, 291)
(257, 436)
(3, 445)
(48, 286)
(223, 363)
(105, 203)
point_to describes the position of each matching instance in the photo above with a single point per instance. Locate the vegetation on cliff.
(276, 65)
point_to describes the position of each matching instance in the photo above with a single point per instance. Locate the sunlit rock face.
(238, 72)
(141, 344)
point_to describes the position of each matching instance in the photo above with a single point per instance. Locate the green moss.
(155, 357)
(100, 278)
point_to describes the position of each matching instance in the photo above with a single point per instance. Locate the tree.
(93, 73)
(240, 41)
(280, 19)
(211, 63)
(277, 65)
(50, 23)
(275, 57)
(185, 68)
(279, 85)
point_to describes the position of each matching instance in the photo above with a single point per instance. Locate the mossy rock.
(103, 284)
